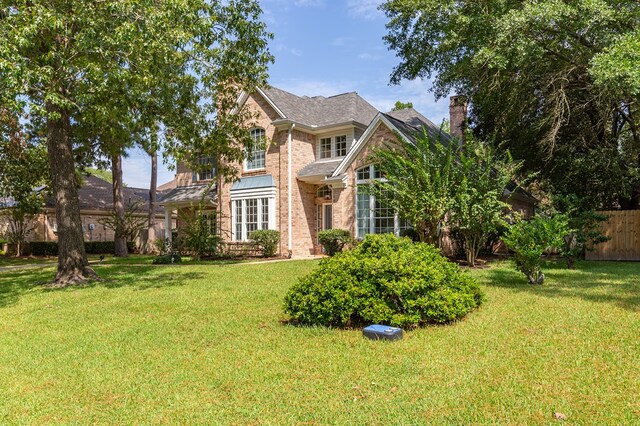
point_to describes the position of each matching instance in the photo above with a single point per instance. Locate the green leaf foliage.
(419, 182)
(95, 78)
(431, 184)
(529, 239)
(557, 81)
(334, 240)
(385, 280)
(478, 206)
(267, 240)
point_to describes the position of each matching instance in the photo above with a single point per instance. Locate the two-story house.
(306, 180)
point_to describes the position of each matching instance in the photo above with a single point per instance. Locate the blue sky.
(325, 47)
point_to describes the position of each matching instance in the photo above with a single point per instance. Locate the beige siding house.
(306, 180)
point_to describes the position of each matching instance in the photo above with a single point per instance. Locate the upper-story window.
(256, 160)
(325, 148)
(335, 146)
(341, 146)
(206, 169)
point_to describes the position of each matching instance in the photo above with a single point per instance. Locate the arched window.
(256, 158)
(373, 215)
(324, 192)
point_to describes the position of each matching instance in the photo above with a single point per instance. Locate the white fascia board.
(282, 124)
(240, 194)
(364, 139)
(337, 181)
(245, 95)
(271, 103)
(240, 101)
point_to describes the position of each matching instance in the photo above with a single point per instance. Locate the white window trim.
(213, 171)
(372, 205)
(249, 194)
(334, 145)
(246, 160)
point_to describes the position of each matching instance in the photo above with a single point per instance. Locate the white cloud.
(369, 57)
(342, 41)
(365, 9)
(281, 47)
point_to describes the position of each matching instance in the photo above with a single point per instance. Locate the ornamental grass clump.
(386, 280)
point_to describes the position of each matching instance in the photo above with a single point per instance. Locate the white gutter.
(289, 179)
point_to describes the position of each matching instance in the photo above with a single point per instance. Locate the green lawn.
(204, 344)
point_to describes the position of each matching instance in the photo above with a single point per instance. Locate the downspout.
(289, 179)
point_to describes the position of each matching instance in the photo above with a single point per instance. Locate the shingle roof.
(97, 194)
(412, 122)
(184, 194)
(319, 168)
(320, 111)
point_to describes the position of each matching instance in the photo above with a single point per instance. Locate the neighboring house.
(306, 180)
(96, 203)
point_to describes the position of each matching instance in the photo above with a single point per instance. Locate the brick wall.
(344, 209)
(44, 226)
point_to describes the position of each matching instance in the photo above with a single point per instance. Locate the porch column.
(167, 223)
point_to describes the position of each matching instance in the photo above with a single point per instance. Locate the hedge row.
(50, 248)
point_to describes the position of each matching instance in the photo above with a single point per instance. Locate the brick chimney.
(458, 117)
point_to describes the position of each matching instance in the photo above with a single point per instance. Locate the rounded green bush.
(386, 280)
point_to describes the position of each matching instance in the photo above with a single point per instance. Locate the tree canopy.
(558, 81)
(96, 76)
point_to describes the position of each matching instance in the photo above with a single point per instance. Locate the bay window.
(252, 214)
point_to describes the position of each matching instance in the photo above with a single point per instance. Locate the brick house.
(307, 178)
(95, 197)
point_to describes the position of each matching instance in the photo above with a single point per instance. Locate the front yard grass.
(204, 344)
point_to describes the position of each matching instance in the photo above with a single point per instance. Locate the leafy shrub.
(196, 236)
(334, 240)
(44, 248)
(167, 259)
(529, 240)
(267, 240)
(387, 280)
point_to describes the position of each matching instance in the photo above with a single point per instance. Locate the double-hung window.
(206, 169)
(334, 146)
(374, 215)
(256, 155)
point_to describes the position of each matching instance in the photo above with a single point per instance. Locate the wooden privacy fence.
(623, 229)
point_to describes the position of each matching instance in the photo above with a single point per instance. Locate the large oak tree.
(96, 73)
(557, 81)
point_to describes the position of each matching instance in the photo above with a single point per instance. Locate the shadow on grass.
(16, 283)
(617, 283)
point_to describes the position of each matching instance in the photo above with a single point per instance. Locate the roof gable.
(380, 119)
(320, 111)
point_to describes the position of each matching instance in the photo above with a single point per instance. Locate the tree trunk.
(151, 222)
(72, 258)
(120, 239)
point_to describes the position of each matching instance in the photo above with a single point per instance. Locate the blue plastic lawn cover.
(382, 332)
